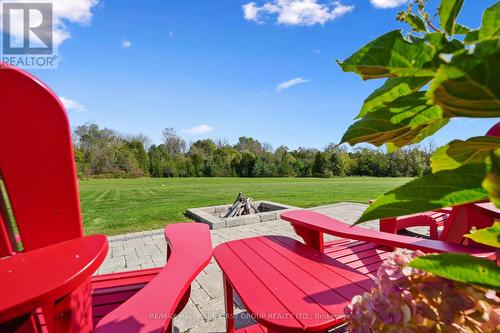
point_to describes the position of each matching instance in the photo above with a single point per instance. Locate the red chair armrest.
(153, 308)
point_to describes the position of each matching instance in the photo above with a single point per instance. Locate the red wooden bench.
(47, 222)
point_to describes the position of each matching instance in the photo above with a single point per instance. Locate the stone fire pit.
(213, 216)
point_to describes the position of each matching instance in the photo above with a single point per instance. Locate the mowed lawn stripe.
(115, 206)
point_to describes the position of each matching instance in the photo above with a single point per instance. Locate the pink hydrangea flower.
(407, 300)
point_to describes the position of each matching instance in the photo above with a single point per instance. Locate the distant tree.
(418, 162)
(337, 164)
(264, 167)
(320, 165)
(136, 147)
(100, 149)
(174, 144)
(251, 145)
(304, 158)
(246, 164)
(142, 138)
(221, 143)
(181, 165)
(105, 152)
(206, 147)
(371, 162)
(268, 148)
(284, 162)
(224, 161)
(197, 162)
(155, 161)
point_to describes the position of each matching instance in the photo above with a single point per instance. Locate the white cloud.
(388, 3)
(171, 33)
(290, 83)
(126, 44)
(296, 12)
(200, 129)
(72, 105)
(250, 11)
(64, 12)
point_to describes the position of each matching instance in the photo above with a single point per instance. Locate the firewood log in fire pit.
(241, 206)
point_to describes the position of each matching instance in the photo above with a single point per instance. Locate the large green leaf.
(492, 181)
(461, 267)
(442, 44)
(438, 190)
(461, 29)
(488, 236)
(415, 22)
(459, 152)
(390, 55)
(392, 89)
(471, 37)
(448, 12)
(490, 27)
(470, 85)
(407, 120)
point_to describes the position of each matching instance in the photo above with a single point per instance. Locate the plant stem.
(429, 22)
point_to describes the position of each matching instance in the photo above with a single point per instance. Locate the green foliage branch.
(435, 72)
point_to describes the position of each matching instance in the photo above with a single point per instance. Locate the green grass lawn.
(115, 206)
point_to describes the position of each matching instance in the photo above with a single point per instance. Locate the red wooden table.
(33, 279)
(287, 286)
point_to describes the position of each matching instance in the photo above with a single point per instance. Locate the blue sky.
(211, 69)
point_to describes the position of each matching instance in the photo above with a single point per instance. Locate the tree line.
(107, 153)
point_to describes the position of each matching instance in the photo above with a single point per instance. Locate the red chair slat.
(104, 281)
(310, 259)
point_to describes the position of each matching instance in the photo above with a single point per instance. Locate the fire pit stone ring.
(214, 215)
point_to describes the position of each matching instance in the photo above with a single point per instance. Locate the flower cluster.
(408, 300)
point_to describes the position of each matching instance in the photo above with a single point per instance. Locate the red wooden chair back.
(463, 218)
(38, 172)
(36, 163)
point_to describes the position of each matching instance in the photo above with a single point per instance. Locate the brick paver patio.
(205, 309)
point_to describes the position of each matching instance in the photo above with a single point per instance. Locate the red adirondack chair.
(432, 220)
(455, 221)
(45, 261)
(365, 249)
(291, 287)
